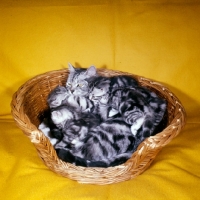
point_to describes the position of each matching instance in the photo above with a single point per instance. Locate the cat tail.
(67, 156)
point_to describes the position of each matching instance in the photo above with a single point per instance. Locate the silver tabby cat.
(79, 80)
(138, 106)
(62, 96)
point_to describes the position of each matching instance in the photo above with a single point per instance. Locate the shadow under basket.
(30, 102)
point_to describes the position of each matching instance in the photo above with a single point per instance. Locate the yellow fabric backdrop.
(155, 39)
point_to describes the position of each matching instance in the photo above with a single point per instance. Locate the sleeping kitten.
(96, 144)
(106, 85)
(57, 96)
(139, 107)
(61, 114)
(62, 96)
(100, 91)
(66, 96)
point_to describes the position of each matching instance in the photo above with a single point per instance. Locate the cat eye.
(69, 84)
(80, 85)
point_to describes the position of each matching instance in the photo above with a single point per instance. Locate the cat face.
(77, 80)
(96, 93)
(100, 89)
(61, 114)
(57, 96)
(74, 132)
(78, 87)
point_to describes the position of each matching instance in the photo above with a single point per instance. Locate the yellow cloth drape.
(156, 39)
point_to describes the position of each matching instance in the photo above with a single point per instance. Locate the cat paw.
(54, 141)
(104, 99)
(136, 125)
(76, 143)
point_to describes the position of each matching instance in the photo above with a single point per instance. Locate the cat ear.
(71, 67)
(91, 71)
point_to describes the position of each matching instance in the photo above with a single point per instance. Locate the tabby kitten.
(138, 106)
(62, 96)
(72, 95)
(90, 142)
(57, 96)
(106, 85)
(102, 88)
(64, 113)
(79, 79)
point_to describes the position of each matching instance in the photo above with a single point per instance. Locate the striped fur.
(62, 96)
(94, 143)
(138, 106)
(102, 88)
(102, 120)
(79, 79)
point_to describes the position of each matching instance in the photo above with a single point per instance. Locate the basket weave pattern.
(30, 102)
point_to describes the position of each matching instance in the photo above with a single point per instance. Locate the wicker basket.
(29, 103)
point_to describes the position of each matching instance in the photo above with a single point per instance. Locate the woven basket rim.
(151, 143)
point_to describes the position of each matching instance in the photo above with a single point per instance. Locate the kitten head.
(100, 88)
(56, 97)
(76, 130)
(77, 81)
(61, 114)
